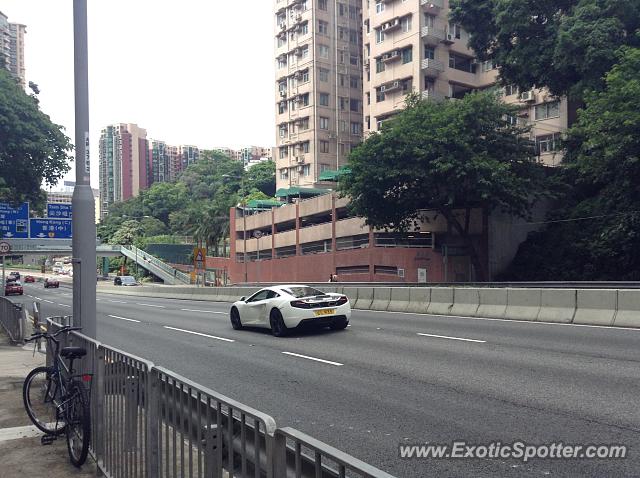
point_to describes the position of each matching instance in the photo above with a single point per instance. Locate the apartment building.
(12, 47)
(123, 163)
(318, 87)
(410, 46)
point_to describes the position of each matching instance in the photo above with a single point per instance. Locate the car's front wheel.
(236, 323)
(278, 327)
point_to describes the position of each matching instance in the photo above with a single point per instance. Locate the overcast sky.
(190, 71)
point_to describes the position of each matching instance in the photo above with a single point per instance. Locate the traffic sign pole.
(84, 228)
(5, 248)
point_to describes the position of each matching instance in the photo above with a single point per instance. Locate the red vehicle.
(13, 287)
(29, 279)
(51, 283)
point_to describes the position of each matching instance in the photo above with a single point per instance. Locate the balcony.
(391, 56)
(391, 25)
(432, 7)
(430, 95)
(433, 36)
(432, 68)
(391, 87)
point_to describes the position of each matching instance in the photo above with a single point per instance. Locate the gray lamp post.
(244, 221)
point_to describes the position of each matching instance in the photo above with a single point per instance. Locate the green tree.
(444, 157)
(595, 233)
(127, 234)
(262, 177)
(33, 150)
(564, 45)
(163, 198)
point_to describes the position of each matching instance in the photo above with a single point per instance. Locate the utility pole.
(84, 229)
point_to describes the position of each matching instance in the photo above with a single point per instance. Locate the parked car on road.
(29, 279)
(125, 281)
(15, 275)
(282, 308)
(48, 282)
(13, 287)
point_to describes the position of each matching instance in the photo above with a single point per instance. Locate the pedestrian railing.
(149, 422)
(12, 319)
(173, 275)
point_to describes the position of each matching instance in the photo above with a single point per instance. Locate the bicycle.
(56, 400)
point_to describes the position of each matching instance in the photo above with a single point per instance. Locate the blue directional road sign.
(51, 228)
(59, 211)
(14, 222)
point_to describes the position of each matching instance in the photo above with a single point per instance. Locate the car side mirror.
(243, 298)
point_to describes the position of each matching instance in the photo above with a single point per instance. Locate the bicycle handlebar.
(64, 329)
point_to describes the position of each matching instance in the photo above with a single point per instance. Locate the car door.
(254, 308)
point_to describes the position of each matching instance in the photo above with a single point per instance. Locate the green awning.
(302, 192)
(331, 175)
(263, 204)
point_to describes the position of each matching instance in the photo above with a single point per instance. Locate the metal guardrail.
(146, 260)
(12, 320)
(511, 285)
(149, 422)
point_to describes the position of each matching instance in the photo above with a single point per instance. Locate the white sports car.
(286, 307)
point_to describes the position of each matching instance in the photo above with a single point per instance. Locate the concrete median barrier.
(399, 301)
(419, 299)
(365, 298)
(352, 294)
(493, 303)
(441, 301)
(628, 314)
(596, 306)
(557, 305)
(381, 298)
(523, 304)
(466, 301)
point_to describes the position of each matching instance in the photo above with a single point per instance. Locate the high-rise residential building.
(12, 47)
(318, 87)
(410, 46)
(160, 163)
(189, 155)
(124, 163)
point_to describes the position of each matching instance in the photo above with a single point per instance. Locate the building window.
(305, 51)
(324, 122)
(354, 81)
(342, 124)
(548, 143)
(323, 74)
(282, 62)
(323, 27)
(324, 146)
(324, 99)
(380, 6)
(322, 5)
(429, 20)
(380, 65)
(304, 76)
(510, 90)
(379, 35)
(356, 128)
(303, 124)
(282, 107)
(284, 173)
(462, 63)
(283, 152)
(455, 30)
(324, 167)
(304, 147)
(380, 96)
(487, 66)
(354, 105)
(304, 29)
(353, 37)
(405, 23)
(323, 51)
(407, 55)
(306, 170)
(354, 60)
(344, 103)
(548, 110)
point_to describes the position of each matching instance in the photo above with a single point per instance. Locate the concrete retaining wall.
(465, 302)
(381, 298)
(399, 301)
(493, 303)
(596, 306)
(628, 314)
(419, 300)
(352, 294)
(523, 304)
(557, 305)
(365, 298)
(441, 301)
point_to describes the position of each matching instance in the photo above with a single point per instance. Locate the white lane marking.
(37, 298)
(337, 364)
(198, 333)
(204, 311)
(118, 301)
(29, 295)
(64, 305)
(124, 318)
(530, 322)
(151, 305)
(49, 301)
(454, 338)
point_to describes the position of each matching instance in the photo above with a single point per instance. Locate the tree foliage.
(33, 150)
(597, 236)
(262, 177)
(444, 157)
(564, 45)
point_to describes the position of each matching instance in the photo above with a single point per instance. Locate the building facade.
(123, 164)
(12, 48)
(410, 46)
(318, 87)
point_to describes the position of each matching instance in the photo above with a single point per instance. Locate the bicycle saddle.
(73, 352)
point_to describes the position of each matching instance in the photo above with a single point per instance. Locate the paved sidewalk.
(20, 448)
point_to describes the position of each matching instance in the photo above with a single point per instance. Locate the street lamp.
(244, 219)
(258, 235)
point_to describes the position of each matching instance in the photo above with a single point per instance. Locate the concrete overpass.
(162, 270)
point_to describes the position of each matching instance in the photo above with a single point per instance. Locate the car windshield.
(16, 283)
(128, 280)
(302, 291)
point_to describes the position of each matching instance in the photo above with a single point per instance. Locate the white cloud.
(190, 72)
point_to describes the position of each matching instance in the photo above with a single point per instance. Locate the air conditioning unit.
(396, 84)
(383, 88)
(450, 37)
(300, 159)
(283, 94)
(527, 96)
(300, 169)
(394, 53)
(283, 26)
(298, 18)
(297, 51)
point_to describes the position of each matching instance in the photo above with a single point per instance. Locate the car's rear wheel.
(236, 323)
(278, 327)
(340, 324)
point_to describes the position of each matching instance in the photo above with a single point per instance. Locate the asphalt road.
(382, 384)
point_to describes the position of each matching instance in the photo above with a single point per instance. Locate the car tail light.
(300, 304)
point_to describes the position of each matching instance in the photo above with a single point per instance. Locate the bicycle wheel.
(40, 392)
(78, 424)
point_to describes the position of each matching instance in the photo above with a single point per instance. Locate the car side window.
(272, 294)
(262, 295)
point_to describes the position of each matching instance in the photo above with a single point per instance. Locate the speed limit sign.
(5, 247)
